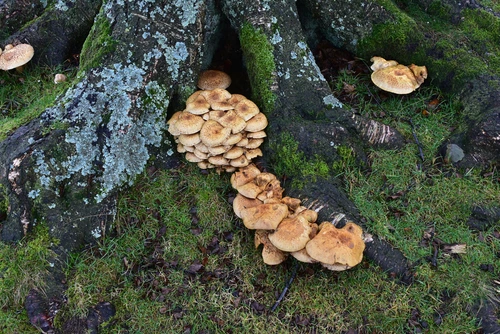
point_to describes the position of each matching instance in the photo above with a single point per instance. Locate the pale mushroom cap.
(212, 79)
(380, 63)
(218, 150)
(213, 133)
(16, 56)
(216, 95)
(302, 256)
(253, 153)
(264, 217)
(191, 157)
(240, 162)
(241, 202)
(258, 134)
(234, 152)
(256, 123)
(397, 79)
(343, 246)
(246, 109)
(189, 140)
(198, 106)
(291, 202)
(250, 190)
(254, 143)
(235, 98)
(188, 123)
(218, 160)
(292, 234)
(233, 139)
(420, 73)
(233, 121)
(59, 77)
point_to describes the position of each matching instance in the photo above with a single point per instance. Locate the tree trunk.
(140, 61)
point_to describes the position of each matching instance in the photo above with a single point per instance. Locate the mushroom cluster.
(284, 227)
(218, 129)
(15, 56)
(390, 76)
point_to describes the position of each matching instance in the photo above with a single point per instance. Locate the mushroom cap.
(189, 140)
(256, 123)
(244, 175)
(216, 95)
(198, 105)
(241, 202)
(246, 109)
(218, 150)
(380, 63)
(191, 157)
(254, 143)
(241, 161)
(333, 246)
(233, 139)
(420, 73)
(218, 160)
(16, 56)
(59, 77)
(302, 256)
(398, 79)
(292, 234)
(291, 202)
(264, 217)
(270, 254)
(250, 190)
(233, 121)
(253, 153)
(258, 134)
(212, 79)
(234, 152)
(212, 133)
(188, 123)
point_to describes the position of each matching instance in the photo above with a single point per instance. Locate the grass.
(181, 261)
(24, 96)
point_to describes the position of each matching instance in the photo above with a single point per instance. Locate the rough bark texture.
(139, 62)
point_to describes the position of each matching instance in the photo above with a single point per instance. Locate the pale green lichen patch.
(110, 137)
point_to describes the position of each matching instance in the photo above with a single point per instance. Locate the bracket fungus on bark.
(392, 77)
(225, 130)
(16, 56)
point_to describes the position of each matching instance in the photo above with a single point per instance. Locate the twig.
(287, 286)
(421, 152)
(376, 99)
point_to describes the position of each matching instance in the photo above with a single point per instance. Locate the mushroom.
(292, 234)
(397, 78)
(58, 78)
(337, 249)
(213, 133)
(270, 254)
(264, 217)
(380, 63)
(211, 79)
(16, 57)
(241, 202)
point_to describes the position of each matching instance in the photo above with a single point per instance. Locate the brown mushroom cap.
(241, 202)
(16, 56)
(270, 254)
(212, 79)
(333, 246)
(244, 175)
(212, 133)
(189, 140)
(216, 95)
(292, 234)
(420, 73)
(253, 153)
(264, 217)
(397, 79)
(198, 106)
(240, 162)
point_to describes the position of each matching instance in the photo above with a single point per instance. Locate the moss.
(259, 58)
(347, 160)
(98, 44)
(289, 161)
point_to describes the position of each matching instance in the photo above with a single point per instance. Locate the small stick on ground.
(287, 285)
(421, 152)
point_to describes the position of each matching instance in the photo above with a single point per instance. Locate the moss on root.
(98, 44)
(258, 53)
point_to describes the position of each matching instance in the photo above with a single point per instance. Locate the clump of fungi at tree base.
(393, 77)
(15, 56)
(221, 130)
